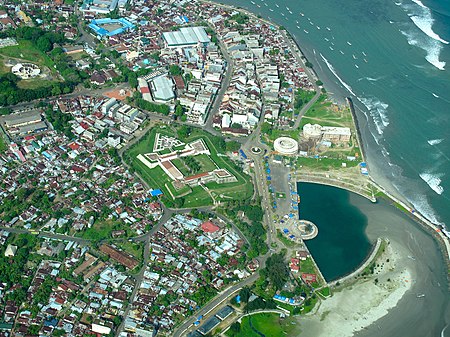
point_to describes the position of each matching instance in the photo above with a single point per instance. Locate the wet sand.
(396, 311)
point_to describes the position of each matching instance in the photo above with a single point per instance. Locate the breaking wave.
(434, 181)
(348, 87)
(422, 18)
(434, 141)
(378, 112)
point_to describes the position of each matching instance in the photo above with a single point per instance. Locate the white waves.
(425, 24)
(422, 18)
(434, 141)
(378, 112)
(370, 79)
(348, 87)
(433, 180)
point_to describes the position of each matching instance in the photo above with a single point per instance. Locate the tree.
(175, 70)
(276, 270)
(44, 44)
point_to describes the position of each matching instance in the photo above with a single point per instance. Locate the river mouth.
(342, 244)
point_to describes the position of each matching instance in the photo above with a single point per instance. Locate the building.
(99, 6)
(327, 133)
(185, 37)
(109, 27)
(22, 119)
(162, 89)
(10, 251)
(336, 134)
(286, 146)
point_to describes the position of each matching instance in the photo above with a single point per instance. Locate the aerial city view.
(230, 168)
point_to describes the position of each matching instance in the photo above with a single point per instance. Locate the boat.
(298, 27)
(331, 48)
(411, 257)
(282, 14)
(356, 66)
(258, 6)
(341, 52)
(266, 5)
(364, 53)
(270, 9)
(349, 43)
(312, 23)
(290, 12)
(276, 5)
(296, 21)
(420, 295)
(332, 43)
(365, 60)
(288, 9)
(354, 57)
(326, 39)
(328, 28)
(305, 31)
(253, 3)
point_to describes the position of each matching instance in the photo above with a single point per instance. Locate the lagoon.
(342, 244)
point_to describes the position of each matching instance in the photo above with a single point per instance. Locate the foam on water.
(370, 79)
(346, 86)
(378, 112)
(433, 180)
(434, 141)
(422, 18)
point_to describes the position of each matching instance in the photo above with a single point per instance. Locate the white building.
(162, 88)
(185, 37)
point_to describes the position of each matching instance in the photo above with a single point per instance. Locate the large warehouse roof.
(186, 36)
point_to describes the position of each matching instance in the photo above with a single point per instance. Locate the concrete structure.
(110, 27)
(327, 133)
(286, 146)
(22, 119)
(162, 88)
(26, 70)
(99, 6)
(185, 37)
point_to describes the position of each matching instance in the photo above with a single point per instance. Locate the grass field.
(34, 83)
(266, 324)
(3, 146)
(100, 230)
(324, 164)
(25, 50)
(134, 248)
(322, 112)
(156, 178)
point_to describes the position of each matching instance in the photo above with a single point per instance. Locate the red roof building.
(309, 278)
(209, 227)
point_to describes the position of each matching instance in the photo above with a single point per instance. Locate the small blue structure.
(269, 178)
(242, 154)
(285, 231)
(156, 193)
(238, 299)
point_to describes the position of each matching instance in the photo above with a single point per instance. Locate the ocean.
(393, 58)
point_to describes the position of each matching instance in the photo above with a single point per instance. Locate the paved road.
(48, 235)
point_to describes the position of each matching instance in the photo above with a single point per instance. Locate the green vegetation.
(324, 164)
(323, 112)
(156, 178)
(263, 325)
(100, 230)
(302, 97)
(276, 271)
(325, 292)
(254, 231)
(3, 146)
(152, 107)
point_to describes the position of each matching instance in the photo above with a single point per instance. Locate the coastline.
(391, 298)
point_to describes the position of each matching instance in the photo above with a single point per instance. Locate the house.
(309, 278)
(10, 251)
(98, 78)
(209, 227)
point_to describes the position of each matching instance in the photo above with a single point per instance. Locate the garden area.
(266, 324)
(196, 196)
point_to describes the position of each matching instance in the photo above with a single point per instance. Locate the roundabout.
(256, 150)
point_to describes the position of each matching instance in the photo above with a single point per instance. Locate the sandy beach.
(364, 302)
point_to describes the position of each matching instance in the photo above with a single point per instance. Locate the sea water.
(393, 58)
(341, 245)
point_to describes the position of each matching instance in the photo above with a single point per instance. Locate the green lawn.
(205, 162)
(3, 146)
(100, 230)
(322, 113)
(180, 165)
(324, 164)
(266, 324)
(34, 83)
(134, 248)
(25, 50)
(156, 178)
